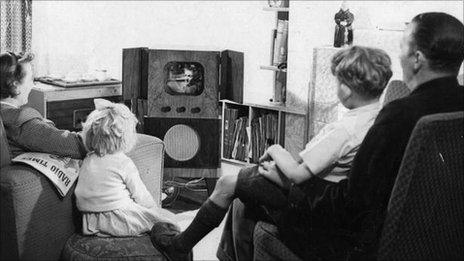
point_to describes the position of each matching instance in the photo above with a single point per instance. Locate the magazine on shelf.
(61, 171)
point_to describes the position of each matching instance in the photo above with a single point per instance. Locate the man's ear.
(419, 60)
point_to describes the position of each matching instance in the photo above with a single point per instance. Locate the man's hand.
(269, 170)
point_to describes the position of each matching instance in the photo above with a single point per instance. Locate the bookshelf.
(248, 129)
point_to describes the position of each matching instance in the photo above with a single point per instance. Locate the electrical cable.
(192, 185)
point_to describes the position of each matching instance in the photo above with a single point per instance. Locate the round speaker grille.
(182, 142)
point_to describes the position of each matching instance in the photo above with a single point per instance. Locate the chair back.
(425, 218)
(4, 147)
(396, 89)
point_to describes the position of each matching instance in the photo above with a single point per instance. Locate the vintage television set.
(175, 93)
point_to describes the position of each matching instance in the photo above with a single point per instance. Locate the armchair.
(36, 223)
(426, 209)
(395, 89)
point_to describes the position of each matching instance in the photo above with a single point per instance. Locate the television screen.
(184, 78)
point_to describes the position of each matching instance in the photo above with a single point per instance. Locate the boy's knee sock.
(209, 216)
(256, 189)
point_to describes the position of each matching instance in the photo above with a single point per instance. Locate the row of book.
(280, 43)
(230, 116)
(263, 134)
(247, 143)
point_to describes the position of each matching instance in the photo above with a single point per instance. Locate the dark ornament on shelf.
(343, 29)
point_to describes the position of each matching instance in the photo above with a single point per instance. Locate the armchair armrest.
(148, 156)
(35, 221)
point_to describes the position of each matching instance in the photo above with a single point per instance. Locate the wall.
(80, 36)
(85, 35)
(312, 25)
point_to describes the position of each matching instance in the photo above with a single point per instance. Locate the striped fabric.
(15, 26)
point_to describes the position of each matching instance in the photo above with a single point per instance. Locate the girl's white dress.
(113, 199)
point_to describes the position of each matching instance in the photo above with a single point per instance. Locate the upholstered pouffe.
(79, 247)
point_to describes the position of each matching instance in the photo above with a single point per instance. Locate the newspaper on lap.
(62, 171)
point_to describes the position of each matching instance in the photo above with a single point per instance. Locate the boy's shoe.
(161, 237)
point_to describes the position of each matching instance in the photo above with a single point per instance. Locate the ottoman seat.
(80, 247)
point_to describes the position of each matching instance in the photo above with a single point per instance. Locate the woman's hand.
(269, 170)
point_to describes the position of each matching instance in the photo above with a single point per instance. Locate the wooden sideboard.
(68, 107)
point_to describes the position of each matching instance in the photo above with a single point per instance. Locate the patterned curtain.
(16, 25)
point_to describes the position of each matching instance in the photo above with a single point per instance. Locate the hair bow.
(101, 104)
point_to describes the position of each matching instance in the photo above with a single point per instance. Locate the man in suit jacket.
(432, 51)
(431, 55)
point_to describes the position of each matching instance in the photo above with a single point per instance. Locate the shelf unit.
(253, 111)
(272, 68)
(280, 75)
(276, 9)
(291, 119)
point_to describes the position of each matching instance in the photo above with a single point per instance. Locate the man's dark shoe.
(162, 235)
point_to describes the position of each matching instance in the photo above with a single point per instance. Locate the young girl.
(109, 192)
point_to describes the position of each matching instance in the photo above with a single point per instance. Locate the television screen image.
(184, 78)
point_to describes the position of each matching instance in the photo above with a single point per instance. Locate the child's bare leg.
(224, 192)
